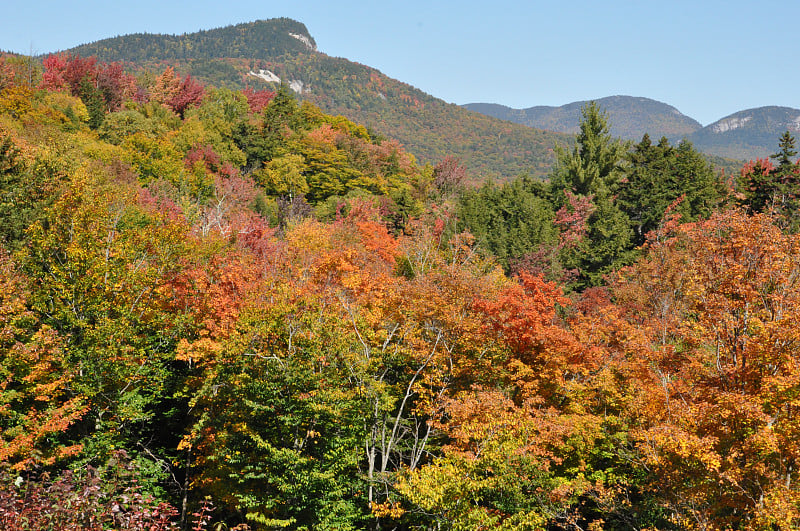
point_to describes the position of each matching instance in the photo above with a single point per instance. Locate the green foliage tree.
(510, 220)
(107, 258)
(92, 97)
(763, 186)
(117, 126)
(786, 151)
(29, 181)
(594, 163)
(593, 170)
(655, 176)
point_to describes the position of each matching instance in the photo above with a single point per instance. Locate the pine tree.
(592, 170)
(786, 152)
(656, 175)
(594, 162)
(764, 186)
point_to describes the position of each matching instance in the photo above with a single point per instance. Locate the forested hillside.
(263, 38)
(228, 309)
(427, 126)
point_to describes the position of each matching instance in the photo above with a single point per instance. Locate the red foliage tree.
(189, 94)
(258, 99)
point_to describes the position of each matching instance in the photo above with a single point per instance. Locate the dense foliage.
(428, 127)
(228, 308)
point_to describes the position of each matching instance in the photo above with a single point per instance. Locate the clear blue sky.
(707, 58)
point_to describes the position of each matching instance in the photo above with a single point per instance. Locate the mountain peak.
(261, 38)
(747, 134)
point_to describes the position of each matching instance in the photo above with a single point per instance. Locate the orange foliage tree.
(719, 431)
(36, 402)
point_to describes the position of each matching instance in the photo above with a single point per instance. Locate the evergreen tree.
(593, 163)
(787, 175)
(606, 246)
(92, 97)
(656, 175)
(510, 220)
(763, 186)
(265, 141)
(786, 151)
(593, 170)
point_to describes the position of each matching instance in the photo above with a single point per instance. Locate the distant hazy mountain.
(264, 53)
(747, 134)
(630, 117)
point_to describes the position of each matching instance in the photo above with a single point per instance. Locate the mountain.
(272, 38)
(264, 53)
(630, 117)
(748, 134)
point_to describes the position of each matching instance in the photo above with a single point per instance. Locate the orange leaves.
(8, 73)
(500, 469)
(722, 298)
(524, 312)
(481, 417)
(542, 353)
(355, 255)
(165, 87)
(35, 403)
(169, 90)
(682, 448)
(323, 135)
(213, 295)
(688, 366)
(376, 239)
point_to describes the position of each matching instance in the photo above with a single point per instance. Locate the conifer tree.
(592, 170)
(786, 151)
(594, 162)
(764, 186)
(657, 175)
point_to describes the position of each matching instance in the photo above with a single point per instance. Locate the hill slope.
(630, 117)
(748, 134)
(272, 37)
(261, 54)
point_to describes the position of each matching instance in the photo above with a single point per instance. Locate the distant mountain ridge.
(745, 135)
(748, 134)
(263, 53)
(630, 117)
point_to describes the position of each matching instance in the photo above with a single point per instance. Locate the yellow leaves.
(354, 256)
(777, 509)
(71, 110)
(284, 175)
(16, 100)
(34, 393)
(202, 351)
(387, 510)
(668, 447)
(152, 158)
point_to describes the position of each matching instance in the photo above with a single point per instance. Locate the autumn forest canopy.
(227, 309)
